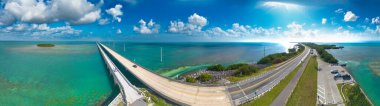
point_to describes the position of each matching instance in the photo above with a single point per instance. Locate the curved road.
(187, 94)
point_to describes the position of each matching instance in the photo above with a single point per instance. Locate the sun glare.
(287, 6)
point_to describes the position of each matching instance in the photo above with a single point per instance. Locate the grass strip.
(305, 93)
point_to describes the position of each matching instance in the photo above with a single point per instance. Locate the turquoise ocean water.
(70, 73)
(363, 62)
(74, 73)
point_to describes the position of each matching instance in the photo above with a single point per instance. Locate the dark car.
(135, 66)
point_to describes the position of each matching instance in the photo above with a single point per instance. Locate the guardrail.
(261, 91)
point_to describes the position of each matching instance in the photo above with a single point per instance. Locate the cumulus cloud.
(40, 30)
(324, 20)
(195, 24)
(350, 16)
(71, 11)
(145, 28)
(376, 20)
(196, 19)
(116, 12)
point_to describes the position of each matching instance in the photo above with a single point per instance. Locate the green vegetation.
(270, 96)
(191, 79)
(280, 57)
(258, 72)
(204, 77)
(154, 99)
(305, 93)
(217, 67)
(45, 45)
(236, 66)
(321, 49)
(245, 70)
(353, 95)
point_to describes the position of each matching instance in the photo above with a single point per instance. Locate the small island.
(45, 45)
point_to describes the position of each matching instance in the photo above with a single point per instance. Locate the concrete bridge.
(198, 95)
(129, 93)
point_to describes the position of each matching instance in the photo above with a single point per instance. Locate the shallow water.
(69, 73)
(362, 59)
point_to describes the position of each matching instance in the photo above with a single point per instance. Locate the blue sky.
(190, 20)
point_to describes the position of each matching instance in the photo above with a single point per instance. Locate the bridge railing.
(112, 67)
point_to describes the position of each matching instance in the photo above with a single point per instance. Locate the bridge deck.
(129, 93)
(187, 94)
(182, 94)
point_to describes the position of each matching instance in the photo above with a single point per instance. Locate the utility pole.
(161, 54)
(124, 47)
(264, 51)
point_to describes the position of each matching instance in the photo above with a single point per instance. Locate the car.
(135, 66)
(334, 71)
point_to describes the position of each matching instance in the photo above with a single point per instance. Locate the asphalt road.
(243, 91)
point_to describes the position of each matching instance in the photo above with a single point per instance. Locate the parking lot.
(328, 92)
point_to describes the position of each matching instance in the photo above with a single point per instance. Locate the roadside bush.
(190, 79)
(204, 77)
(217, 67)
(236, 66)
(246, 70)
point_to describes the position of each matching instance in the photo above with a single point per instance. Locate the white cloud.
(196, 19)
(88, 18)
(373, 31)
(238, 30)
(324, 20)
(72, 11)
(116, 12)
(339, 10)
(118, 31)
(196, 23)
(39, 30)
(103, 21)
(144, 28)
(350, 16)
(376, 20)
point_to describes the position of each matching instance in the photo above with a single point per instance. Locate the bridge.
(200, 95)
(130, 95)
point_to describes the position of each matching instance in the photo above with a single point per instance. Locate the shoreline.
(361, 89)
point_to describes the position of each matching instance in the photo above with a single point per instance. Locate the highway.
(248, 90)
(191, 94)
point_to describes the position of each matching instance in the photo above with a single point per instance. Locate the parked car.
(334, 71)
(135, 66)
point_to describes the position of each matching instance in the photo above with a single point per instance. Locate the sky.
(191, 20)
